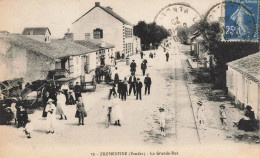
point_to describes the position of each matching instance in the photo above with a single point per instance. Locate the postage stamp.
(241, 20)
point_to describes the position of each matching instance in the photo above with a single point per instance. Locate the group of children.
(201, 116)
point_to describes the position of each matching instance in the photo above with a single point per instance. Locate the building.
(104, 24)
(136, 44)
(23, 57)
(41, 34)
(243, 82)
(72, 60)
(102, 49)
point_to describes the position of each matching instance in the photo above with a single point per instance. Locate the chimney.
(108, 7)
(69, 36)
(97, 3)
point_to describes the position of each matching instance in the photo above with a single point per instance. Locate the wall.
(243, 90)
(19, 63)
(98, 18)
(128, 41)
(12, 61)
(38, 66)
(92, 61)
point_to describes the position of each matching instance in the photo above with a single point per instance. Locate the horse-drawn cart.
(10, 88)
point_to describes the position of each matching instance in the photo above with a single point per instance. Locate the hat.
(222, 105)
(161, 109)
(248, 107)
(133, 60)
(138, 78)
(199, 102)
(50, 100)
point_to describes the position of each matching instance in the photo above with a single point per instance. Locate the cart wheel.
(3, 90)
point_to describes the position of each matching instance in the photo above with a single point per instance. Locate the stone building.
(104, 24)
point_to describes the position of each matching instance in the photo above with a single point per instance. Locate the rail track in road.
(186, 128)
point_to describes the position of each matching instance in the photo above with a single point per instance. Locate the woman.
(201, 114)
(45, 99)
(116, 110)
(61, 105)
(249, 123)
(81, 112)
(50, 109)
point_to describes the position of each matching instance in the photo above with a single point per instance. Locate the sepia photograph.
(129, 78)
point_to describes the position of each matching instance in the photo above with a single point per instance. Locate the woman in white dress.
(116, 110)
(201, 115)
(61, 105)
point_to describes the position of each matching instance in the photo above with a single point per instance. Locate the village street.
(140, 125)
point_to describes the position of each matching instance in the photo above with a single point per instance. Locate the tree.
(182, 34)
(150, 33)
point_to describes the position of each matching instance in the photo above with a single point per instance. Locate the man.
(142, 54)
(102, 60)
(147, 82)
(77, 91)
(143, 67)
(133, 67)
(131, 82)
(124, 91)
(167, 56)
(139, 86)
(119, 88)
(116, 76)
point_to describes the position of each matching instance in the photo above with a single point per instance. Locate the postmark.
(177, 15)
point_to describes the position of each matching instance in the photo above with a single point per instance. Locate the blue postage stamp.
(241, 20)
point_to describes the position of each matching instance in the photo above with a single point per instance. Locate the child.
(201, 115)
(28, 129)
(50, 109)
(162, 121)
(223, 116)
(81, 112)
(22, 116)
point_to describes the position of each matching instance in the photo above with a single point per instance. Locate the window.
(87, 36)
(98, 33)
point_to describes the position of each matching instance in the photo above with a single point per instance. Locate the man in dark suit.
(147, 82)
(167, 56)
(139, 86)
(131, 82)
(77, 91)
(143, 67)
(142, 54)
(124, 91)
(133, 67)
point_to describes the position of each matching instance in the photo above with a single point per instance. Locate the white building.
(243, 82)
(41, 34)
(72, 60)
(102, 23)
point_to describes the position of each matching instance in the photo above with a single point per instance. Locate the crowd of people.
(56, 98)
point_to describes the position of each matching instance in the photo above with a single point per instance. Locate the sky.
(58, 15)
